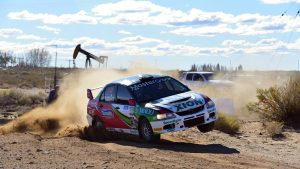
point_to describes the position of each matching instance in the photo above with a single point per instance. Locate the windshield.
(156, 88)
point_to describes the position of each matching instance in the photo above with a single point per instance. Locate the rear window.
(110, 93)
(156, 88)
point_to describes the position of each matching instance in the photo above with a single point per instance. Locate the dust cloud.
(67, 115)
(243, 89)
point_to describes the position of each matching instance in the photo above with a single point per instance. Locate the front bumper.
(180, 123)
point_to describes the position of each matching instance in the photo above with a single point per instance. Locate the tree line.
(214, 68)
(37, 57)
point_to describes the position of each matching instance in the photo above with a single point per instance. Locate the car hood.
(179, 102)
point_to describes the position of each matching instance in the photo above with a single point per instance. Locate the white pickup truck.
(203, 78)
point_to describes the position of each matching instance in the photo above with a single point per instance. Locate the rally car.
(148, 106)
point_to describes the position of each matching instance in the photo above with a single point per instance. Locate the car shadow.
(185, 147)
(135, 141)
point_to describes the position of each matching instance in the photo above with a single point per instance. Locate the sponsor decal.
(126, 107)
(172, 121)
(132, 122)
(144, 84)
(135, 132)
(170, 130)
(211, 110)
(187, 104)
(145, 111)
(107, 113)
(157, 129)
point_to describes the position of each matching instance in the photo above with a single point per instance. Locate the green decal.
(123, 117)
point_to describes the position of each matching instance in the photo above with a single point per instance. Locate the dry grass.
(16, 97)
(273, 129)
(227, 124)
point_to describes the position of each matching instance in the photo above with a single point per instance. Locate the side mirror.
(90, 94)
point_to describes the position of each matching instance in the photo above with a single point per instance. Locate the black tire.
(146, 131)
(206, 127)
(97, 123)
(99, 130)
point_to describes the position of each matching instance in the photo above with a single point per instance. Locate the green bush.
(280, 104)
(227, 124)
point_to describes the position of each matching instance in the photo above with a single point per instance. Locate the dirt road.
(186, 149)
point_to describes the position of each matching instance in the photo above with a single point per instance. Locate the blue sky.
(170, 34)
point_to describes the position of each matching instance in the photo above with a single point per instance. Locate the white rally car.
(150, 105)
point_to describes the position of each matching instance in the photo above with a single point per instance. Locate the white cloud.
(124, 32)
(264, 46)
(147, 13)
(79, 17)
(127, 6)
(7, 32)
(145, 46)
(135, 40)
(50, 29)
(193, 22)
(29, 37)
(280, 1)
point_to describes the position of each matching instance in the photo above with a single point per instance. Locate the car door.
(123, 109)
(198, 78)
(105, 108)
(189, 78)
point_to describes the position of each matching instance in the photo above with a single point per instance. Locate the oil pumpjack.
(101, 59)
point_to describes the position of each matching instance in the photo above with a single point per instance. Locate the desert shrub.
(9, 97)
(227, 124)
(273, 128)
(38, 98)
(25, 100)
(16, 97)
(279, 103)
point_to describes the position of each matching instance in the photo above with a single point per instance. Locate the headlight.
(165, 116)
(210, 104)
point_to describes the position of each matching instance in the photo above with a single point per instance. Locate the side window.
(189, 76)
(123, 95)
(110, 93)
(198, 77)
(102, 96)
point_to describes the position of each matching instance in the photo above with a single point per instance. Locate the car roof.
(201, 72)
(127, 81)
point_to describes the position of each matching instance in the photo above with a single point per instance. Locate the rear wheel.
(97, 123)
(146, 132)
(206, 127)
(99, 128)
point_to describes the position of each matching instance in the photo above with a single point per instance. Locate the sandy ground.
(187, 149)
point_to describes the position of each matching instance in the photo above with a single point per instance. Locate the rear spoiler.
(90, 94)
(96, 88)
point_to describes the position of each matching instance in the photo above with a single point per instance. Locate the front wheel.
(146, 132)
(206, 127)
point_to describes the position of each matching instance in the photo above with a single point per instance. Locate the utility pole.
(55, 67)
(69, 63)
(298, 65)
